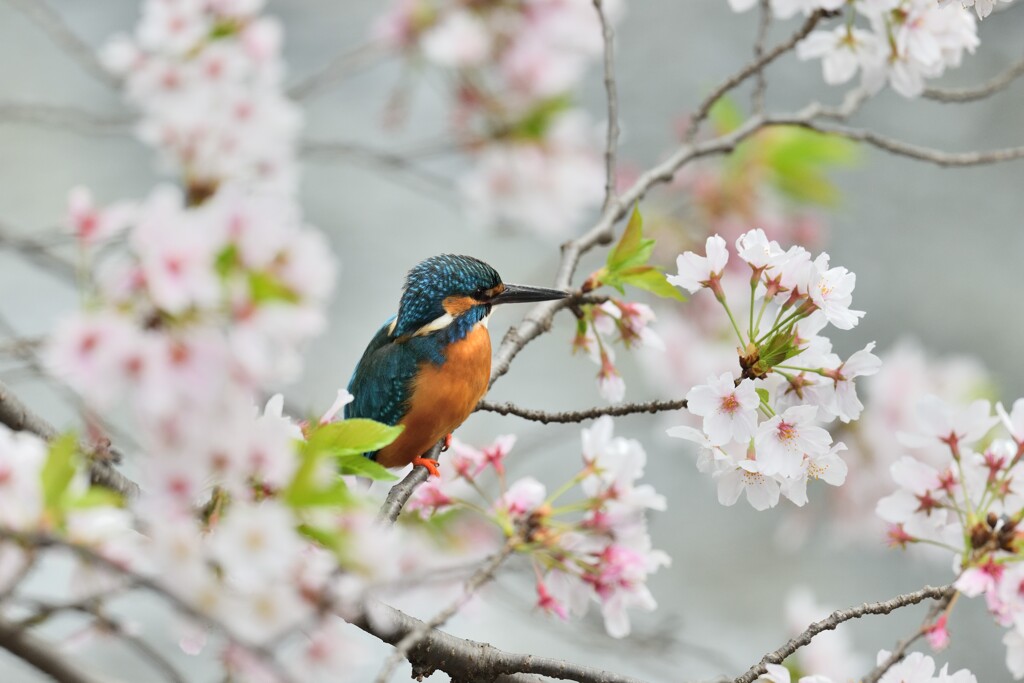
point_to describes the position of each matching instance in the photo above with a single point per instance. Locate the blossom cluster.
(536, 163)
(614, 320)
(596, 549)
(969, 506)
(788, 373)
(902, 42)
(914, 668)
(206, 77)
(199, 301)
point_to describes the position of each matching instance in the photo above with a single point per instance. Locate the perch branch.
(545, 417)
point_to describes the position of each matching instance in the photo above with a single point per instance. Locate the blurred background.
(937, 253)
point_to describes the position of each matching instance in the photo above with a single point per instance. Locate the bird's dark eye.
(480, 294)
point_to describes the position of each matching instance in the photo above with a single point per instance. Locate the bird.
(430, 364)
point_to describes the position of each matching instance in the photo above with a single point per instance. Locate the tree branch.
(84, 552)
(761, 83)
(468, 661)
(900, 148)
(33, 651)
(611, 89)
(37, 252)
(21, 418)
(52, 24)
(545, 417)
(754, 67)
(900, 651)
(401, 492)
(837, 618)
(979, 92)
(65, 118)
(482, 576)
(340, 66)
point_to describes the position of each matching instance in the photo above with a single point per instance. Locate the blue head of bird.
(454, 293)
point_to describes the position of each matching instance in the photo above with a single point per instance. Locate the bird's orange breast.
(443, 396)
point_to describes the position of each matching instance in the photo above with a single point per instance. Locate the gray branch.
(41, 656)
(837, 618)
(612, 93)
(978, 92)
(65, 118)
(568, 416)
(21, 418)
(401, 492)
(468, 661)
(52, 24)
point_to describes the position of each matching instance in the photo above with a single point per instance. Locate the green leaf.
(264, 287)
(632, 250)
(328, 539)
(335, 494)
(95, 497)
(364, 467)
(652, 280)
(535, 124)
(725, 115)
(58, 470)
(353, 437)
(226, 261)
(765, 396)
(798, 160)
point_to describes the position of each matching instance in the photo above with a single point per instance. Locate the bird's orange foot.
(429, 463)
(447, 443)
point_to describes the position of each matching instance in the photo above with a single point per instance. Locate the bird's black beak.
(516, 294)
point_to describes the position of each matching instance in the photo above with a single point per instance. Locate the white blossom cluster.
(536, 160)
(760, 427)
(899, 42)
(206, 76)
(969, 506)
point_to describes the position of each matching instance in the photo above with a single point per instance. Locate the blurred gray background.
(938, 254)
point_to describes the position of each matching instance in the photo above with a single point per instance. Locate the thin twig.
(837, 618)
(978, 92)
(36, 251)
(900, 148)
(545, 417)
(340, 66)
(760, 82)
(65, 118)
(749, 70)
(321, 150)
(52, 24)
(482, 576)
(612, 92)
(900, 651)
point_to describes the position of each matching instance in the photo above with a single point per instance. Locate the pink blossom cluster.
(902, 42)
(615, 320)
(970, 506)
(536, 164)
(596, 549)
(206, 76)
(788, 374)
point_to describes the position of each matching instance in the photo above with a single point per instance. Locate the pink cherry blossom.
(729, 410)
(702, 271)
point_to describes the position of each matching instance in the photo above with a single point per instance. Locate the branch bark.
(43, 658)
(468, 661)
(612, 93)
(545, 417)
(401, 492)
(837, 618)
(21, 418)
(979, 92)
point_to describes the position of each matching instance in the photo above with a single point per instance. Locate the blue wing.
(382, 381)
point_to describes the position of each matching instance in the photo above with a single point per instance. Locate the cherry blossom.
(696, 271)
(729, 410)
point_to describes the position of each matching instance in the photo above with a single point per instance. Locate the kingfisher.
(428, 366)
